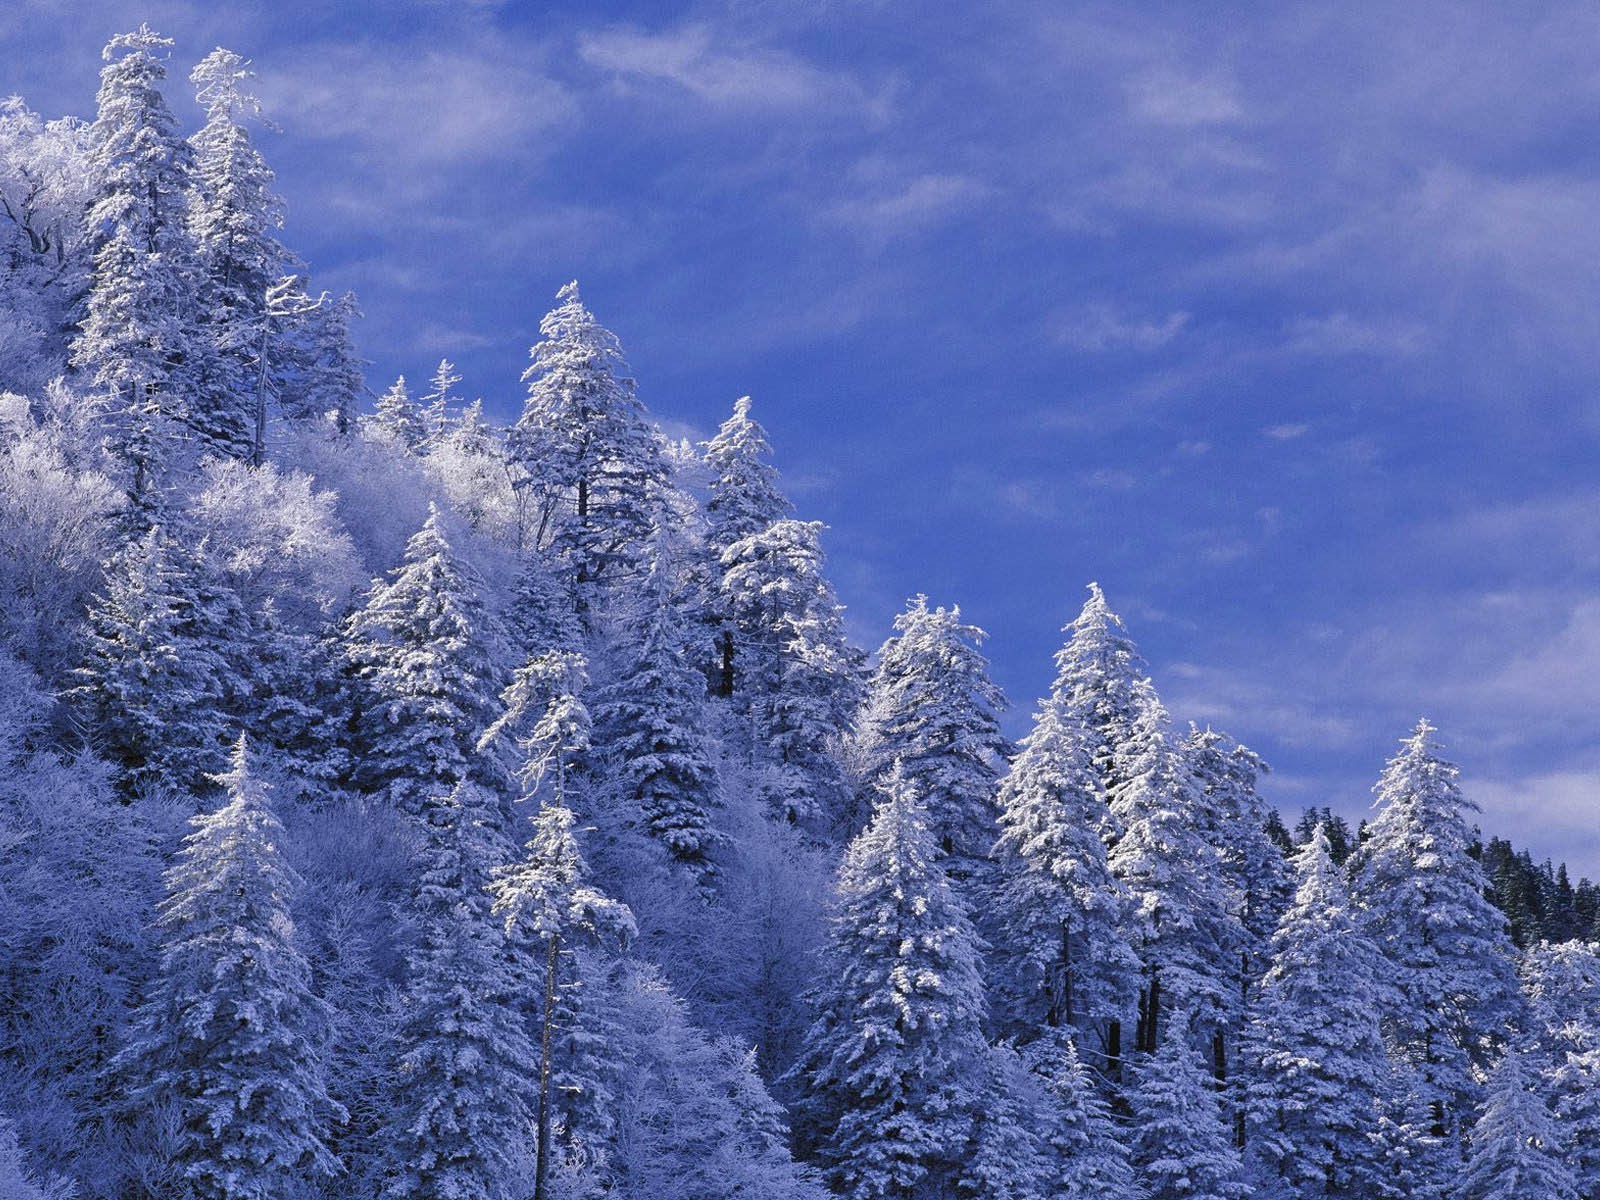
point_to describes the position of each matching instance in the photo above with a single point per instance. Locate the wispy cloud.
(1102, 326)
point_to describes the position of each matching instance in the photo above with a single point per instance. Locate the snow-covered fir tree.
(155, 685)
(467, 1070)
(932, 708)
(437, 402)
(233, 216)
(232, 1038)
(588, 460)
(1182, 1145)
(1009, 1157)
(890, 1063)
(329, 381)
(1187, 936)
(797, 681)
(1515, 1151)
(424, 653)
(1562, 985)
(1067, 920)
(399, 419)
(1098, 671)
(138, 343)
(1448, 952)
(1318, 1066)
(1092, 1160)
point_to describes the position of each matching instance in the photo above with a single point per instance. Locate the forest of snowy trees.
(399, 805)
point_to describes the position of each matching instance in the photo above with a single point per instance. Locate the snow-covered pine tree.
(1091, 1159)
(436, 403)
(1098, 671)
(1562, 984)
(399, 419)
(232, 215)
(155, 687)
(232, 1035)
(1187, 935)
(1067, 920)
(889, 1064)
(467, 1067)
(585, 454)
(798, 680)
(137, 343)
(424, 651)
(329, 380)
(1010, 1157)
(1448, 949)
(932, 708)
(648, 720)
(1183, 1147)
(744, 499)
(1318, 1066)
(1515, 1151)
(546, 894)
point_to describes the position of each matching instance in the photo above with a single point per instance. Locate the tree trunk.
(541, 1169)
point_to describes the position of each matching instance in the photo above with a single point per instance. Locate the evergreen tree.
(1098, 673)
(424, 652)
(1562, 983)
(587, 457)
(399, 419)
(1180, 1141)
(329, 381)
(1187, 936)
(1515, 1152)
(466, 1066)
(155, 685)
(1066, 917)
(1448, 953)
(232, 216)
(232, 1034)
(1091, 1160)
(744, 500)
(436, 403)
(889, 1061)
(137, 343)
(547, 895)
(932, 708)
(799, 684)
(649, 721)
(1009, 1157)
(1319, 1067)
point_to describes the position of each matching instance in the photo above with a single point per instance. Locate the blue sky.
(1282, 322)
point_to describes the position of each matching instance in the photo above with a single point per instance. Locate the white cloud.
(1340, 333)
(1166, 97)
(1101, 327)
(912, 206)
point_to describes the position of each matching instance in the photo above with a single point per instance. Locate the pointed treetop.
(741, 407)
(142, 40)
(218, 78)
(569, 293)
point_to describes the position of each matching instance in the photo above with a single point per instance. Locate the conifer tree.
(435, 404)
(232, 1035)
(1187, 936)
(1515, 1151)
(649, 721)
(1181, 1143)
(587, 457)
(1010, 1158)
(1318, 1062)
(799, 682)
(546, 894)
(1562, 984)
(155, 683)
(467, 1068)
(1447, 948)
(423, 650)
(1098, 672)
(932, 708)
(744, 500)
(329, 381)
(137, 343)
(1066, 918)
(1093, 1161)
(232, 216)
(888, 1063)
(399, 418)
